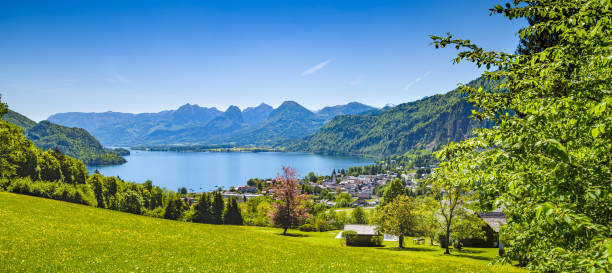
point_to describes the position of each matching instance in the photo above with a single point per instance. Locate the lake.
(205, 171)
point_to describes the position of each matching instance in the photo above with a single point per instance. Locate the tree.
(218, 205)
(289, 207)
(96, 182)
(174, 209)
(344, 200)
(450, 189)
(359, 216)
(3, 108)
(395, 189)
(182, 190)
(49, 166)
(547, 158)
(130, 201)
(203, 210)
(157, 198)
(232, 215)
(429, 220)
(466, 226)
(399, 218)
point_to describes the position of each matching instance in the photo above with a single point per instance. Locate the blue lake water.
(204, 171)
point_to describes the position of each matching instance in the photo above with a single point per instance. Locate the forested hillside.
(424, 124)
(75, 142)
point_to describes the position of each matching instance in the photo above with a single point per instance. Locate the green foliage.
(394, 189)
(232, 214)
(348, 233)
(18, 157)
(80, 194)
(175, 208)
(322, 225)
(307, 227)
(547, 159)
(257, 211)
(398, 217)
(359, 216)
(203, 210)
(130, 201)
(217, 207)
(3, 108)
(344, 200)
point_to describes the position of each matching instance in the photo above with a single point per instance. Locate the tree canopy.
(547, 160)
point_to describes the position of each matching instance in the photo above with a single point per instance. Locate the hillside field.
(42, 235)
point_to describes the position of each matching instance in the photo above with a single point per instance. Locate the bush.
(348, 233)
(80, 194)
(307, 227)
(377, 240)
(158, 212)
(322, 225)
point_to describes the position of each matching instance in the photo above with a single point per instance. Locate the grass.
(39, 235)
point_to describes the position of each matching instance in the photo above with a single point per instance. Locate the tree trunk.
(285, 231)
(401, 241)
(447, 239)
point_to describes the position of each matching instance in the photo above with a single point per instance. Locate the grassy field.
(39, 235)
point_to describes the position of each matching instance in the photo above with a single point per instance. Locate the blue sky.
(148, 56)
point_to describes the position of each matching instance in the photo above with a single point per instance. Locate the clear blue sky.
(147, 56)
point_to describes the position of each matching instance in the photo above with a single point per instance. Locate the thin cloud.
(316, 68)
(415, 81)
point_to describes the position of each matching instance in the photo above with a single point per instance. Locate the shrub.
(80, 194)
(322, 224)
(158, 212)
(348, 233)
(307, 227)
(377, 240)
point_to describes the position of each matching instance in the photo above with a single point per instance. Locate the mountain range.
(351, 129)
(193, 124)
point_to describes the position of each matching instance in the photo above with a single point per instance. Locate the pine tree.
(203, 210)
(232, 215)
(174, 209)
(218, 205)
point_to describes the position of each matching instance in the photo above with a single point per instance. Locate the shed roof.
(361, 229)
(494, 219)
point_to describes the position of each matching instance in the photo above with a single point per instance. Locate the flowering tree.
(289, 207)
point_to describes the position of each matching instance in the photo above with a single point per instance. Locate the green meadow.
(43, 235)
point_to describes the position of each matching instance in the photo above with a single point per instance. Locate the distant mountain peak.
(289, 103)
(255, 115)
(232, 108)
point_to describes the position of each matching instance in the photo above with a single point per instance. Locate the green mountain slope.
(424, 124)
(75, 142)
(18, 119)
